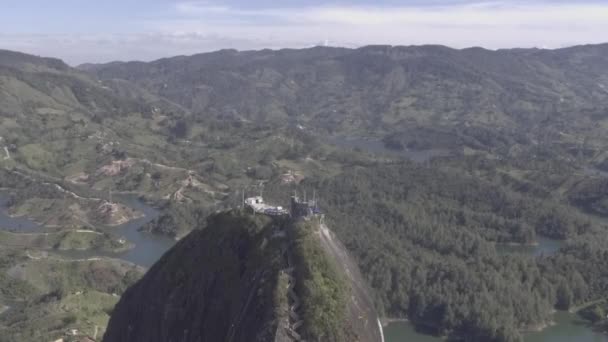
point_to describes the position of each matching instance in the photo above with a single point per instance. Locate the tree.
(180, 129)
(564, 296)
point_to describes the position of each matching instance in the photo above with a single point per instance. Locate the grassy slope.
(50, 318)
(63, 240)
(49, 296)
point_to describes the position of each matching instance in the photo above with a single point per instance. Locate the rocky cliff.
(248, 278)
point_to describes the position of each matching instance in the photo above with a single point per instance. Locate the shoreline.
(385, 321)
(577, 308)
(538, 327)
(518, 244)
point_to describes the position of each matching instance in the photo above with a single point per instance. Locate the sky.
(96, 31)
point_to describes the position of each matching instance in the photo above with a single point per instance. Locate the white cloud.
(482, 13)
(488, 24)
(78, 48)
(200, 7)
(195, 26)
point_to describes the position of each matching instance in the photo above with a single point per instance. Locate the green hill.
(377, 89)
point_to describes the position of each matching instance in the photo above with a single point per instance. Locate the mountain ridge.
(87, 66)
(19, 59)
(249, 278)
(385, 89)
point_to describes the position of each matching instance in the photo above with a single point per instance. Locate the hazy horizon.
(129, 30)
(288, 48)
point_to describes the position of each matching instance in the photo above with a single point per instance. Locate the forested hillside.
(430, 163)
(379, 89)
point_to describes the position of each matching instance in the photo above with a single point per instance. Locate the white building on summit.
(258, 205)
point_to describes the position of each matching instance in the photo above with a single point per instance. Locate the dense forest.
(427, 238)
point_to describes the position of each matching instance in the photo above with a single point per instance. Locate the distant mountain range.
(373, 90)
(385, 89)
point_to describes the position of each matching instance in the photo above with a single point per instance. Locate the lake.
(16, 224)
(148, 247)
(568, 328)
(405, 332)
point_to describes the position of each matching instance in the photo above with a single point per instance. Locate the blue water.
(148, 247)
(568, 328)
(16, 224)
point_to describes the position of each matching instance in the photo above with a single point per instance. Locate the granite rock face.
(230, 282)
